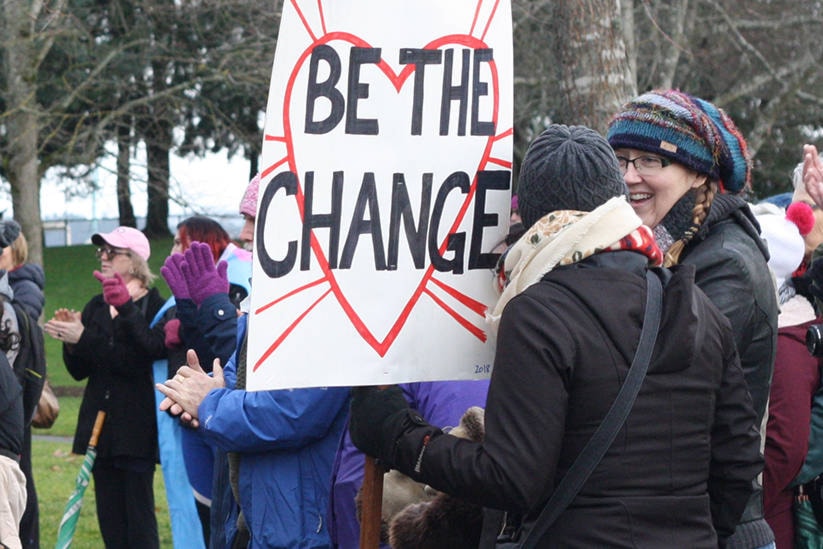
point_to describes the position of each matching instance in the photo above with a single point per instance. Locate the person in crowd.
(271, 437)
(808, 184)
(442, 402)
(807, 181)
(207, 326)
(26, 281)
(685, 164)
(111, 345)
(12, 479)
(681, 469)
(796, 371)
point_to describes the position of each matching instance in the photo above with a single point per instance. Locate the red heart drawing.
(380, 335)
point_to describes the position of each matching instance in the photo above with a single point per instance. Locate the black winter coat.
(116, 356)
(679, 472)
(730, 267)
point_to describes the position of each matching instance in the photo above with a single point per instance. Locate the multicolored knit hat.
(687, 130)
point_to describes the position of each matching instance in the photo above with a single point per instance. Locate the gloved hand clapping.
(203, 278)
(173, 275)
(115, 292)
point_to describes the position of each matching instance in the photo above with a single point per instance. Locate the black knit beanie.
(9, 231)
(567, 168)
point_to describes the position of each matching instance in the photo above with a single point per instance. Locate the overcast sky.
(211, 185)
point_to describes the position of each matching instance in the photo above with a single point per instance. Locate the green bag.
(807, 532)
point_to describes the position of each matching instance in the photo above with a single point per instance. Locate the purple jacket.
(442, 403)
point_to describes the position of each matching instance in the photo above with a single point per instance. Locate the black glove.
(373, 418)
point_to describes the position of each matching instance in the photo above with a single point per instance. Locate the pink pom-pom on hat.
(801, 214)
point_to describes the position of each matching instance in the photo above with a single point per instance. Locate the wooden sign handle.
(372, 505)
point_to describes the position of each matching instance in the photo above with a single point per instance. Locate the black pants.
(125, 507)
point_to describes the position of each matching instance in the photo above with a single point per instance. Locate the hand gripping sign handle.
(371, 510)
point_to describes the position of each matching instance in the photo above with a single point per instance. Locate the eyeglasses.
(110, 252)
(644, 165)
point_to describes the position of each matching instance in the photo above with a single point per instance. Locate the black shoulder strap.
(601, 440)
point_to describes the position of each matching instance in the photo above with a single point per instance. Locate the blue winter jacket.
(287, 440)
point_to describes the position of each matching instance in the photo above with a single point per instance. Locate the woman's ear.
(699, 180)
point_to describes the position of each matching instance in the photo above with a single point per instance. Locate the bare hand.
(189, 386)
(813, 174)
(65, 326)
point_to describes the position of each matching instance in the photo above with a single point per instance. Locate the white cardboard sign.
(386, 181)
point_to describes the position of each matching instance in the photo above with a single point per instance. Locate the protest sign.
(386, 184)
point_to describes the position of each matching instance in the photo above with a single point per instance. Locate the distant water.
(72, 232)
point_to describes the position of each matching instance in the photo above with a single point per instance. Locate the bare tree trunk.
(158, 145)
(124, 206)
(596, 75)
(20, 62)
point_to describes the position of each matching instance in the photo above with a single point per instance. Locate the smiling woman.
(693, 207)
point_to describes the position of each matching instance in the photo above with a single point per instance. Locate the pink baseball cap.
(125, 237)
(248, 205)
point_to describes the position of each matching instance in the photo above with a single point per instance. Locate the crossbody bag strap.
(601, 440)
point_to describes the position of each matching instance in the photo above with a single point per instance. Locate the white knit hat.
(783, 232)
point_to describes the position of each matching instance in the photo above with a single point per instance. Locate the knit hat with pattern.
(567, 168)
(687, 130)
(248, 204)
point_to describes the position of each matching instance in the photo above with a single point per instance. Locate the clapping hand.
(115, 292)
(65, 326)
(203, 278)
(813, 174)
(173, 275)
(187, 389)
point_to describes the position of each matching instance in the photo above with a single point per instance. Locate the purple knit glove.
(173, 274)
(115, 292)
(203, 278)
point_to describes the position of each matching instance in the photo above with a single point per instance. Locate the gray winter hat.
(567, 168)
(9, 231)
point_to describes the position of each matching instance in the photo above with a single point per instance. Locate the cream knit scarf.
(564, 237)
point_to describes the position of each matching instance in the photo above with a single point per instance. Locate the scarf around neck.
(564, 237)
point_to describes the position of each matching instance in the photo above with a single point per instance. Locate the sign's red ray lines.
(265, 173)
(303, 20)
(288, 331)
(322, 15)
(504, 134)
(291, 293)
(489, 22)
(474, 330)
(470, 302)
(500, 162)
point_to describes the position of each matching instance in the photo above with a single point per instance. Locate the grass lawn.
(70, 284)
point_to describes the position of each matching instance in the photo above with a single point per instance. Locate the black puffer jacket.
(679, 472)
(116, 356)
(730, 262)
